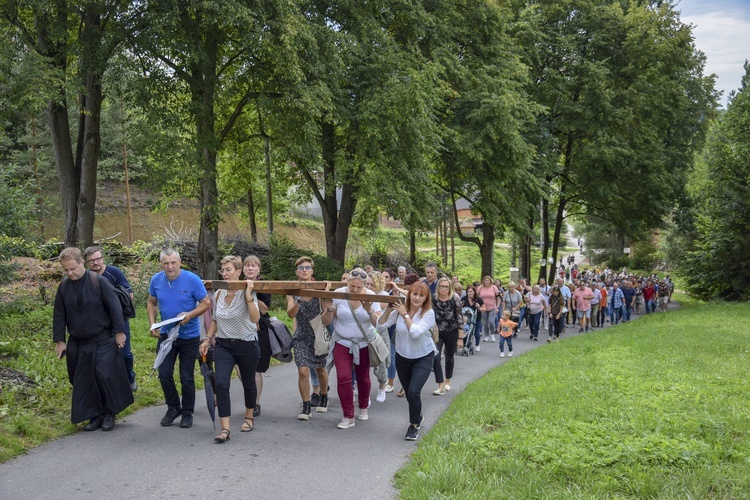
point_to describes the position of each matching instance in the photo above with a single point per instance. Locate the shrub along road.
(281, 458)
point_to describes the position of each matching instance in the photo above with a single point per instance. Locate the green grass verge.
(657, 408)
(37, 411)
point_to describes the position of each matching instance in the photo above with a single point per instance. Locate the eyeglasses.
(355, 274)
(443, 286)
(92, 261)
(304, 268)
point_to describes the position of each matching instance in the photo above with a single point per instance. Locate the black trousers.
(450, 341)
(245, 354)
(413, 374)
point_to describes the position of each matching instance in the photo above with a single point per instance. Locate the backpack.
(123, 296)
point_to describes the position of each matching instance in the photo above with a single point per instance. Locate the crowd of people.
(422, 332)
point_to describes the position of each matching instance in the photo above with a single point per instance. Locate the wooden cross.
(303, 289)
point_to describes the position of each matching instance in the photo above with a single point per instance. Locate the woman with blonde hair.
(354, 326)
(488, 292)
(449, 319)
(235, 329)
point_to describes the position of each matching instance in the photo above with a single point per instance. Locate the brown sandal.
(247, 425)
(401, 393)
(223, 436)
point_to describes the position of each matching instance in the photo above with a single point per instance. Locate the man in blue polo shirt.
(174, 292)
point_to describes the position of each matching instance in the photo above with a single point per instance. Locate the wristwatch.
(406, 316)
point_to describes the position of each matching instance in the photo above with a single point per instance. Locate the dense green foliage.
(645, 410)
(717, 263)
(363, 107)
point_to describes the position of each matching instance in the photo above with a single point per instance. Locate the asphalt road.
(282, 458)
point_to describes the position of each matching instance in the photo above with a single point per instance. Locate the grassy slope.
(657, 408)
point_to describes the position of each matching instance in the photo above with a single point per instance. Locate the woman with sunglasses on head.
(415, 350)
(449, 319)
(235, 328)
(251, 269)
(302, 310)
(354, 323)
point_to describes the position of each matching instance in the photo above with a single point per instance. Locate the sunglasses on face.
(304, 268)
(355, 274)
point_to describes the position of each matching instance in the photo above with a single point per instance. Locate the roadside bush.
(279, 264)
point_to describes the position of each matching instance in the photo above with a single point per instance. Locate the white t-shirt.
(345, 324)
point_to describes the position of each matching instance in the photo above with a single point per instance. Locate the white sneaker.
(388, 388)
(362, 414)
(346, 423)
(510, 354)
(477, 348)
(380, 398)
(447, 387)
(502, 354)
(493, 338)
(485, 339)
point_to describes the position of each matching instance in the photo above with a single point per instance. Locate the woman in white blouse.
(354, 323)
(415, 349)
(235, 329)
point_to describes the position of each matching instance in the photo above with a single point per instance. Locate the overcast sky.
(722, 32)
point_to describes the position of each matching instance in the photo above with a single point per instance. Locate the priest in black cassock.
(89, 309)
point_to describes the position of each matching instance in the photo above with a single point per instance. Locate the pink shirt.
(579, 295)
(488, 296)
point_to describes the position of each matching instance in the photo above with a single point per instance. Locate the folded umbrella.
(165, 346)
(208, 388)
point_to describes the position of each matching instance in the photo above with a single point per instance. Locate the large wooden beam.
(276, 287)
(323, 294)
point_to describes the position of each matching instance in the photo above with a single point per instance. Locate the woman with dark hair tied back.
(415, 349)
(251, 269)
(234, 326)
(475, 302)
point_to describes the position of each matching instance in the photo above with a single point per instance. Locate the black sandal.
(247, 425)
(223, 436)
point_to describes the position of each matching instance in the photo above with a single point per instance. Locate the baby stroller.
(470, 320)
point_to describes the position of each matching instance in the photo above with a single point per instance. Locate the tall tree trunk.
(545, 238)
(68, 175)
(127, 174)
(487, 248)
(91, 139)
(559, 220)
(453, 244)
(412, 246)
(269, 192)
(203, 86)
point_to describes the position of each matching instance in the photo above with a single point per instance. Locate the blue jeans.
(127, 354)
(521, 314)
(413, 374)
(488, 320)
(650, 306)
(503, 340)
(478, 330)
(187, 351)
(534, 320)
(615, 313)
